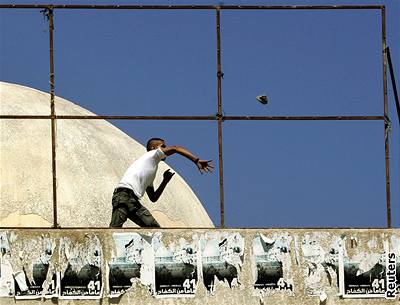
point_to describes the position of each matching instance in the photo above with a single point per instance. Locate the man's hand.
(154, 195)
(168, 175)
(204, 166)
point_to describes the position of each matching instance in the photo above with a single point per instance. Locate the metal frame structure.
(48, 10)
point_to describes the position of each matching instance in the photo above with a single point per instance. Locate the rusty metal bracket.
(46, 13)
(388, 126)
(393, 79)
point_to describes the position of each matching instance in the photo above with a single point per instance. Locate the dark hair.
(150, 142)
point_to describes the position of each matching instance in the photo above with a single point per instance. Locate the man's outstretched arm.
(204, 166)
(155, 195)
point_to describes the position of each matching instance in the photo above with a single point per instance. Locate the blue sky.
(277, 173)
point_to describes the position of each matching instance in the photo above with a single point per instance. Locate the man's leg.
(118, 217)
(143, 218)
(120, 212)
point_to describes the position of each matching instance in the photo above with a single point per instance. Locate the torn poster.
(321, 271)
(363, 275)
(175, 268)
(6, 272)
(133, 260)
(395, 248)
(32, 284)
(331, 262)
(222, 258)
(272, 263)
(82, 278)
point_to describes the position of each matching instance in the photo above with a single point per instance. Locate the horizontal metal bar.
(196, 228)
(110, 117)
(139, 117)
(197, 118)
(302, 118)
(298, 7)
(190, 7)
(25, 117)
(111, 7)
(106, 228)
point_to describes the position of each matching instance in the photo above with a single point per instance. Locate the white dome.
(91, 156)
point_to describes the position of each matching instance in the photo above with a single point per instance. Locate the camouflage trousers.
(126, 205)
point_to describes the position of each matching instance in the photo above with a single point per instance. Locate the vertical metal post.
(219, 116)
(393, 79)
(385, 112)
(53, 118)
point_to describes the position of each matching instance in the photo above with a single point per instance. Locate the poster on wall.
(176, 272)
(222, 258)
(363, 275)
(27, 289)
(6, 272)
(395, 252)
(272, 263)
(81, 277)
(132, 260)
(32, 284)
(321, 263)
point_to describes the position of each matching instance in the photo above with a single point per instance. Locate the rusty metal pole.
(193, 7)
(387, 123)
(393, 79)
(53, 117)
(197, 118)
(220, 117)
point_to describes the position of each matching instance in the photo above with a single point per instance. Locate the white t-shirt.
(142, 172)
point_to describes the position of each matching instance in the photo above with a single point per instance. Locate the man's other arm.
(155, 195)
(203, 165)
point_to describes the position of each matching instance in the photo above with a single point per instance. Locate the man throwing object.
(139, 178)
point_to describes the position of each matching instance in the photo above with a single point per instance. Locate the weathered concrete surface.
(368, 244)
(91, 156)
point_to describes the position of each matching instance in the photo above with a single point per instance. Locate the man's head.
(155, 143)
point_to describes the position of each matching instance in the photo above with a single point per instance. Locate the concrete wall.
(310, 264)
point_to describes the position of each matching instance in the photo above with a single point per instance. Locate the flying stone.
(263, 99)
